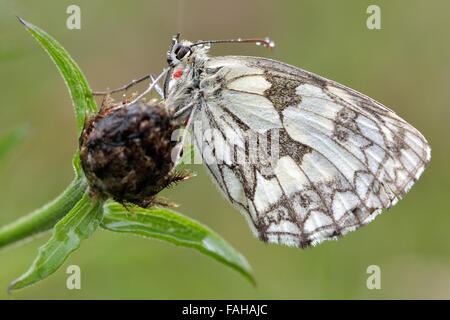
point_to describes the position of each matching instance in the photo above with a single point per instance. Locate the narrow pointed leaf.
(68, 233)
(175, 228)
(79, 173)
(81, 94)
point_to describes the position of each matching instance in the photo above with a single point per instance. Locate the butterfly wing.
(342, 156)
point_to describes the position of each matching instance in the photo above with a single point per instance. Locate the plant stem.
(45, 218)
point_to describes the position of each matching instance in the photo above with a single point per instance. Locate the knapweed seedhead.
(125, 151)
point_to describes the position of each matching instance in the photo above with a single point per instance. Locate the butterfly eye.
(182, 51)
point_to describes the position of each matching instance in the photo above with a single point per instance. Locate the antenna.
(265, 42)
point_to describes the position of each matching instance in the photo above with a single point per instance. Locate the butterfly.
(336, 158)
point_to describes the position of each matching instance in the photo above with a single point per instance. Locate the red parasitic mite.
(178, 74)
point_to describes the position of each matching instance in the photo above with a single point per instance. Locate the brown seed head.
(125, 151)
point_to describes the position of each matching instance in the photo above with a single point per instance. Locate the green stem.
(45, 218)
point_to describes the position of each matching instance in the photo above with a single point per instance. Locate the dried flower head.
(125, 151)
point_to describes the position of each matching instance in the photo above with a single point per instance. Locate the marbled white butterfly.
(336, 158)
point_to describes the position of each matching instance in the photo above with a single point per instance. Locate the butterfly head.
(180, 51)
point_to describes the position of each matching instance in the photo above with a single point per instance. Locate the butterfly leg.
(157, 87)
(123, 88)
(180, 145)
(151, 86)
(182, 110)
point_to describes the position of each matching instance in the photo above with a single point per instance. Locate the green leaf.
(79, 173)
(163, 224)
(9, 140)
(82, 98)
(76, 226)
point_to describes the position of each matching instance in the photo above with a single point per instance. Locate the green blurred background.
(405, 65)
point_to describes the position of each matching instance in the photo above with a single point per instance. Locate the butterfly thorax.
(185, 78)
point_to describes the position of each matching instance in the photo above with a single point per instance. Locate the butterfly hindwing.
(342, 156)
